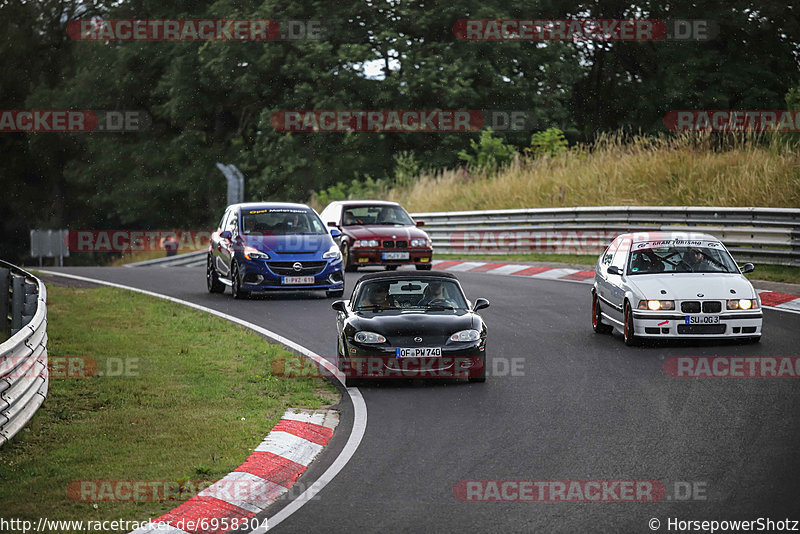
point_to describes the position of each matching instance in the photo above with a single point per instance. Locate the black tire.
(597, 320)
(392, 267)
(346, 260)
(336, 293)
(481, 377)
(212, 280)
(236, 285)
(630, 338)
(426, 267)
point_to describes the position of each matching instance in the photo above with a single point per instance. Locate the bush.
(490, 152)
(548, 143)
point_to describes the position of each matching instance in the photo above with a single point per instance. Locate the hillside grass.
(684, 170)
(678, 170)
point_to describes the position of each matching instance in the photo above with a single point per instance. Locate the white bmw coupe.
(673, 285)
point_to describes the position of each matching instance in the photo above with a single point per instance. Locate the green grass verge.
(203, 397)
(771, 273)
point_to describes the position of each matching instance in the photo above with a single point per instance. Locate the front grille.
(701, 328)
(402, 244)
(712, 306)
(286, 268)
(388, 244)
(691, 306)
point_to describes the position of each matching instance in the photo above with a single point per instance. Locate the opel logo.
(418, 339)
(297, 266)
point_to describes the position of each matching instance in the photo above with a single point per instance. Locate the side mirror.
(335, 232)
(480, 304)
(613, 269)
(748, 268)
(225, 234)
(420, 223)
(339, 306)
(332, 223)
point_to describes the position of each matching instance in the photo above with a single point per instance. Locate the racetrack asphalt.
(583, 407)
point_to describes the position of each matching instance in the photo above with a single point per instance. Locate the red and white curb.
(270, 471)
(780, 301)
(512, 269)
(769, 299)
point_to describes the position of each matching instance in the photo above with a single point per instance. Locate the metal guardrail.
(188, 259)
(759, 235)
(24, 377)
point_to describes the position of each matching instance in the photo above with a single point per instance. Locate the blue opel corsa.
(266, 246)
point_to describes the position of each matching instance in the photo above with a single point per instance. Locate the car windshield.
(378, 214)
(280, 221)
(411, 293)
(680, 257)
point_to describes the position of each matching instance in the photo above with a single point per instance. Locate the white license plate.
(419, 352)
(395, 255)
(297, 280)
(702, 319)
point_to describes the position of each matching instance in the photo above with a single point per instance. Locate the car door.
(601, 275)
(216, 241)
(616, 282)
(226, 248)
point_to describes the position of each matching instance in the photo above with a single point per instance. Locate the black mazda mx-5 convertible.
(410, 325)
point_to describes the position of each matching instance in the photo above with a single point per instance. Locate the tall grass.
(689, 170)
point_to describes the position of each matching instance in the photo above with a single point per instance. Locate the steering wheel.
(439, 302)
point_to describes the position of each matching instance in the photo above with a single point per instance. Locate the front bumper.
(373, 256)
(257, 276)
(360, 361)
(675, 325)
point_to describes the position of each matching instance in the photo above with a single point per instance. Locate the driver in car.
(378, 295)
(694, 261)
(436, 294)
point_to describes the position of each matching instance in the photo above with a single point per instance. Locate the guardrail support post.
(5, 324)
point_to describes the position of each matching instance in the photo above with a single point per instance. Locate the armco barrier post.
(17, 302)
(5, 325)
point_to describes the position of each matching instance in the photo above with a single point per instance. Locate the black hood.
(402, 326)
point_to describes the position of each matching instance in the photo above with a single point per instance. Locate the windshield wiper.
(439, 307)
(376, 307)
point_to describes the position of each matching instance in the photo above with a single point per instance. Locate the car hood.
(392, 323)
(682, 286)
(385, 232)
(289, 244)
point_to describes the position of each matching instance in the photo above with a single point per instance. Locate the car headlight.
(367, 243)
(254, 254)
(655, 305)
(333, 253)
(369, 337)
(419, 242)
(466, 335)
(742, 304)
